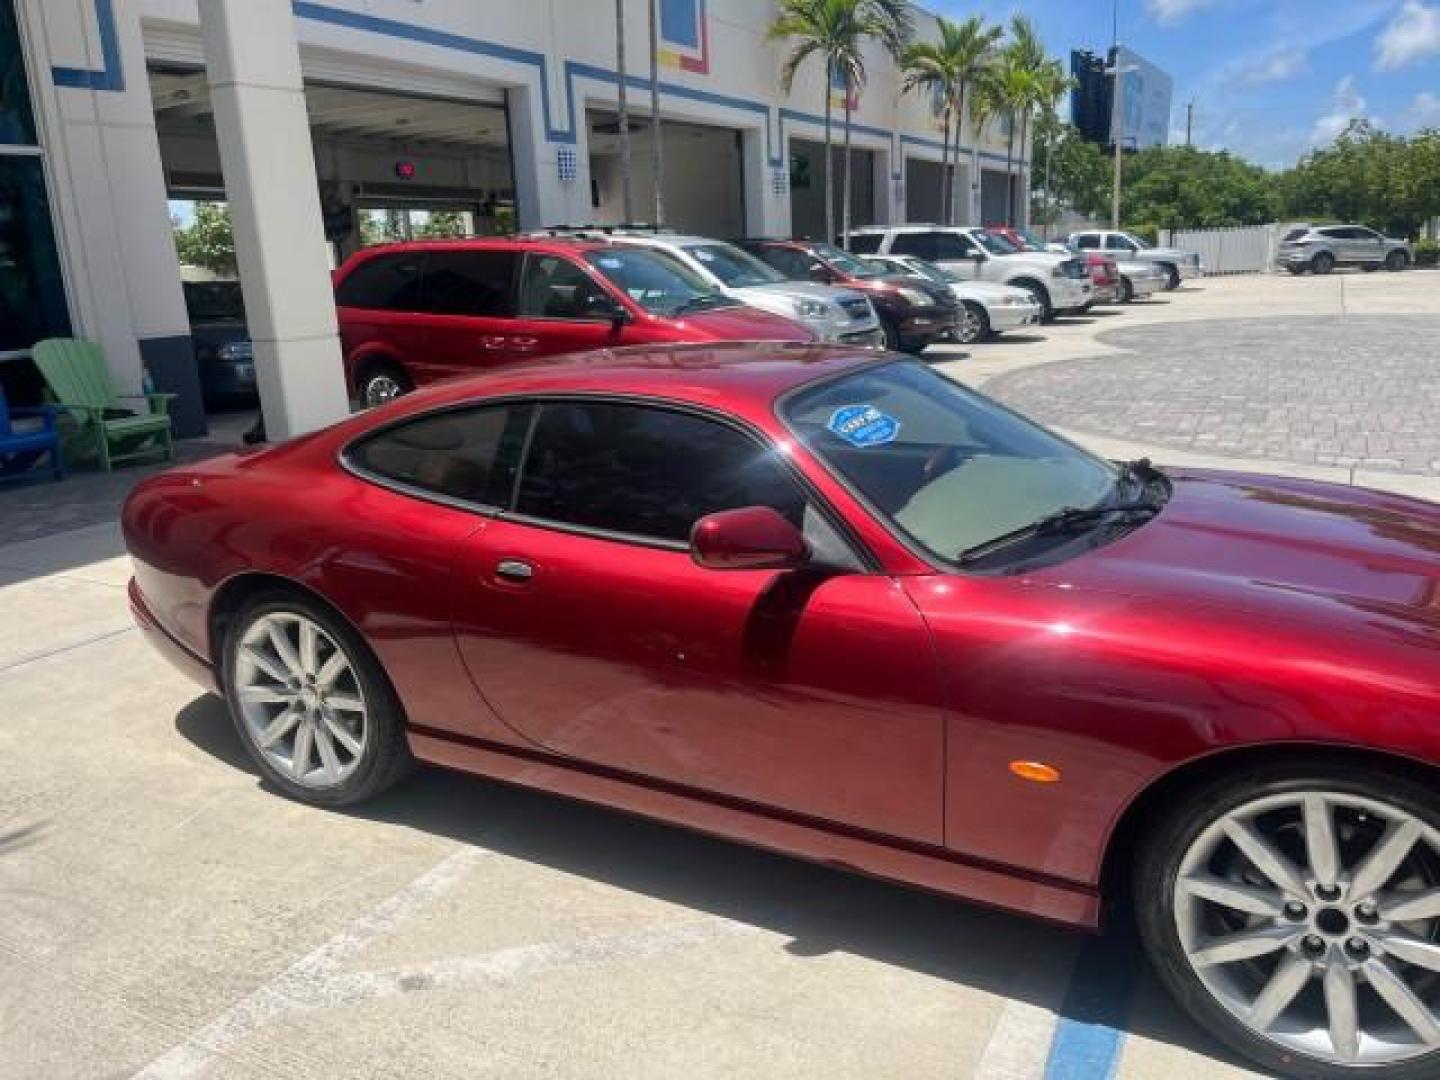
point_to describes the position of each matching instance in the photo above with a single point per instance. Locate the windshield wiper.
(1146, 478)
(1066, 519)
(696, 303)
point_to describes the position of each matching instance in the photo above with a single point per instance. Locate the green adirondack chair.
(80, 381)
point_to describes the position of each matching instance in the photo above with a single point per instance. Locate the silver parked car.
(989, 309)
(1321, 249)
(1176, 264)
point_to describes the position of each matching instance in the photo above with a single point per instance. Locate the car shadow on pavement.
(1100, 981)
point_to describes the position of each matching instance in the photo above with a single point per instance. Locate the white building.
(305, 114)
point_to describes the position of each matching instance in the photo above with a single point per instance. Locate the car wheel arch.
(367, 362)
(1036, 287)
(1146, 806)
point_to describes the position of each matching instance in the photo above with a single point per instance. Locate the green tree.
(442, 224)
(1369, 176)
(1078, 171)
(947, 68)
(209, 240)
(1176, 187)
(836, 32)
(1012, 89)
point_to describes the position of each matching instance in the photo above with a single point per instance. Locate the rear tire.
(1396, 261)
(1127, 290)
(974, 323)
(1172, 277)
(1322, 263)
(1294, 269)
(1319, 822)
(892, 335)
(310, 702)
(382, 382)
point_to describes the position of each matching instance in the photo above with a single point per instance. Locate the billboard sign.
(1145, 93)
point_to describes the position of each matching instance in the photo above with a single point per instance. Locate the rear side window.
(477, 283)
(646, 472)
(921, 245)
(1087, 241)
(468, 454)
(1294, 234)
(383, 283)
(793, 264)
(556, 288)
(865, 245)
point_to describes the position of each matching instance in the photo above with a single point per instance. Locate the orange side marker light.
(1036, 771)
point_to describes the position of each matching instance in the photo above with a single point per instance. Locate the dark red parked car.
(416, 312)
(913, 312)
(830, 602)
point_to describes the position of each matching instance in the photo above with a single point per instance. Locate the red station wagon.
(414, 313)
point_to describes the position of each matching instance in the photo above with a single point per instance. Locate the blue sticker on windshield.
(864, 426)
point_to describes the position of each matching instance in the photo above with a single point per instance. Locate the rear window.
(865, 245)
(383, 283)
(1294, 234)
(467, 454)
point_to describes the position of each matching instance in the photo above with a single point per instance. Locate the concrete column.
(253, 65)
(767, 205)
(552, 179)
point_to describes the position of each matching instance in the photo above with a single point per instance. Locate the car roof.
(739, 377)
(547, 244)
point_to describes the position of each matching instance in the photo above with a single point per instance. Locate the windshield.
(734, 267)
(995, 245)
(846, 263)
(1139, 242)
(1031, 238)
(927, 270)
(658, 283)
(950, 468)
(214, 301)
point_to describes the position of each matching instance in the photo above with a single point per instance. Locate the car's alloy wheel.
(300, 699)
(973, 325)
(1323, 263)
(311, 703)
(1310, 915)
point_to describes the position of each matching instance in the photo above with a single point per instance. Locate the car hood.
(798, 290)
(1044, 258)
(1164, 253)
(742, 323)
(1361, 562)
(1136, 268)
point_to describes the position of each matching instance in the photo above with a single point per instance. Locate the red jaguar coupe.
(829, 602)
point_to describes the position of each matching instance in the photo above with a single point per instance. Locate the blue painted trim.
(575, 69)
(111, 77)
(1090, 1034)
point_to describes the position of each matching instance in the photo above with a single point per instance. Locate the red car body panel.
(431, 346)
(866, 719)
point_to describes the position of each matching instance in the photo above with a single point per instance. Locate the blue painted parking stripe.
(1090, 1034)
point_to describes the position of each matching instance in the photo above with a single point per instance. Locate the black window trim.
(864, 557)
(594, 275)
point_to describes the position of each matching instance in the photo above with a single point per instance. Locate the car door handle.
(517, 570)
(524, 344)
(492, 342)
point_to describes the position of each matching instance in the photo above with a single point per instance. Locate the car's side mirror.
(821, 274)
(978, 257)
(601, 306)
(751, 538)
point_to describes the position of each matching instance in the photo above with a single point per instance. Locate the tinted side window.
(646, 471)
(865, 245)
(384, 283)
(953, 246)
(469, 283)
(1333, 234)
(921, 245)
(1118, 243)
(466, 454)
(791, 263)
(556, 288)
(1087, 241)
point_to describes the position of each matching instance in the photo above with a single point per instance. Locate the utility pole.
(657, 141)
(627, 207)
(1118, 134)
(1189, 120)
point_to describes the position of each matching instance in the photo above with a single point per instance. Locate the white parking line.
(1019, 1047)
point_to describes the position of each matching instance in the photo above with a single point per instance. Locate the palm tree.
(836, 32)
(946, 68)
(1014, 89)
(1054, 84)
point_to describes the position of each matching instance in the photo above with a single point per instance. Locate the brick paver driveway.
(1353, 390)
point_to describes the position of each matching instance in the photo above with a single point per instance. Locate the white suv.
(1060, 284)
(1175, 264)
(833, 312)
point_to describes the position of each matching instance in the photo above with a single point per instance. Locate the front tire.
(1322, 263)
(311, 703)
(1396, 261)
(1041, 296)
(1172, 277)
(382, 383)
(974, 324)
(1127, 290)
(1294, 910)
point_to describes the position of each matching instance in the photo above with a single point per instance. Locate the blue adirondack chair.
(21, 449)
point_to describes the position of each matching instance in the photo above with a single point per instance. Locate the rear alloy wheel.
(1298, 916)
(382, 384)
(1322, 263)
(311, 704)
(974, 324)
(1396, 261)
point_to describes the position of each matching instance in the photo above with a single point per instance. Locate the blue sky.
(1270, 78)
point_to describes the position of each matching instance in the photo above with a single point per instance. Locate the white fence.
(1248, 249)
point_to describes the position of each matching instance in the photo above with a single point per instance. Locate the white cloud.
(1172, 11)
(1278, 66)
(1346, 104)
(1424, 111)
(1413, 34)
